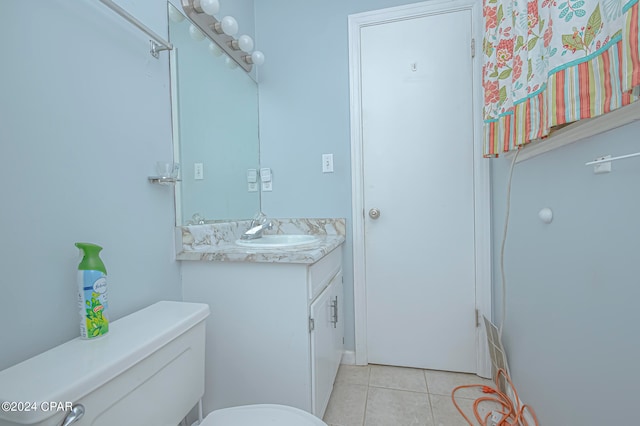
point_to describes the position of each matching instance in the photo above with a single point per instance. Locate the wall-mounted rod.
(608, 160)
(158, 44)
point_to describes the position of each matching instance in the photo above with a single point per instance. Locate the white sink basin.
(279, 241)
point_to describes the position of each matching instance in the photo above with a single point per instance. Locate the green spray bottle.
(92, 292)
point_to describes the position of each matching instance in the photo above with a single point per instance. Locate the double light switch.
(252, 180)
(265, 177)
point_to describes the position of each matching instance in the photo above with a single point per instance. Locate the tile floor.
(377, 395)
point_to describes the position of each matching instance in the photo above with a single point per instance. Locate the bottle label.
(92, 300)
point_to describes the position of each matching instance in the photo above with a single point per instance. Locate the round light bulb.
(229, 25)
(175, 15)
(230, 63)
(257, 57)
(195, 33)
(215, 49)
(210, 7)
(245, 43)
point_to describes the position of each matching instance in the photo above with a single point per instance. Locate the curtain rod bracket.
(156, 49)
(158, 44)
(609, 159)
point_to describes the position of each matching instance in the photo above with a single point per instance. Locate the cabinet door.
(338, 331)
(325, 352)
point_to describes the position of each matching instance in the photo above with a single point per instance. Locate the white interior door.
(417, 156)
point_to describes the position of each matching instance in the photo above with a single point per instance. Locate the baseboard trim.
(348, 357)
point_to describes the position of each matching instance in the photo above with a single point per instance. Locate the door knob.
(374, 213)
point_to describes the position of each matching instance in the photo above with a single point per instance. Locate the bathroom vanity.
(275, 333)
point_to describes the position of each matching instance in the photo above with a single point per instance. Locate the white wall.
(84, 116)
(573, 286)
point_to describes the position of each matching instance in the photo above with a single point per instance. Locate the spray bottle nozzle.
(91, 260)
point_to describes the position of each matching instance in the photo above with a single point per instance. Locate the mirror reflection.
(215, 119)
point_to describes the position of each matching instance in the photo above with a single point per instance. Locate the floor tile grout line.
(420, 392)
(433, 415)
(426, 384)
(366, 402)
(426, 381)
(398, 389)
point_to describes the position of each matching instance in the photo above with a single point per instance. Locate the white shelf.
(160, 180)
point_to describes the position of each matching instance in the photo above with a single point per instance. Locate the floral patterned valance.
(548, 63)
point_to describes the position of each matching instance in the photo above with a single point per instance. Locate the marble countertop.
(216, 242)
(233, 253)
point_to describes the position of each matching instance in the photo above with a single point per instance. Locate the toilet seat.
(261, 414)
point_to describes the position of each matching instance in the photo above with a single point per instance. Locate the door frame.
(481, 172)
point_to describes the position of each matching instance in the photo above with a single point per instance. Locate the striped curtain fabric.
(552, 62)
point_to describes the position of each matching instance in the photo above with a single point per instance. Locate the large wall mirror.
(215, 121)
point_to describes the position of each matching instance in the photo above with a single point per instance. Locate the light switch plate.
(198, 171)
(327, 163)
(265, 174)
(252, 175)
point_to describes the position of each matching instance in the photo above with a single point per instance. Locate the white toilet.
(261, 414)
(149, 370)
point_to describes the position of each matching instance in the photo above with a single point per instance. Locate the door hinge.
(312, 324)
(473, 47)
(477, 318)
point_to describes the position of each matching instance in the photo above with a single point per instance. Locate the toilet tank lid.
(74, 369)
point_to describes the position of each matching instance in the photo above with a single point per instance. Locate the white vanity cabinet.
(327, 339)
(275, 333)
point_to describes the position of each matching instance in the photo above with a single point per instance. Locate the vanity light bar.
(208, 24)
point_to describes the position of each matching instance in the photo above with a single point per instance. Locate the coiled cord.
(512, 413)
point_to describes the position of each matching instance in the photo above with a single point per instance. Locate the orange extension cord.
(511, 412)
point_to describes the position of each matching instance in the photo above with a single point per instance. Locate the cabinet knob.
(374, 213)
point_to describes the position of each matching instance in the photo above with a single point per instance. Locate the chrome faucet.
(258, 225)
